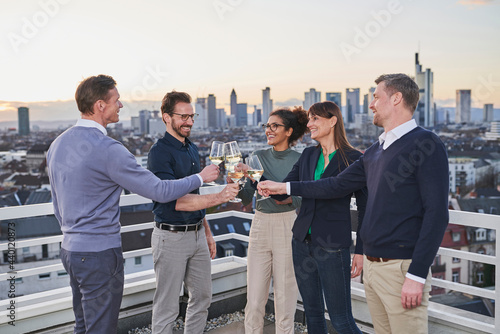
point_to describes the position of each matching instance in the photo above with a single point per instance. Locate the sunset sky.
(212, 46)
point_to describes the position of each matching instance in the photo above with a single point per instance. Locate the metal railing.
(456, 217)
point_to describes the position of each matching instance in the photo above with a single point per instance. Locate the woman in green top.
(270, 242)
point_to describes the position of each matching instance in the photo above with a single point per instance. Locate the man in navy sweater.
(406, 173)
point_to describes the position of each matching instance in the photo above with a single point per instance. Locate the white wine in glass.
(232, 155)
(217, 152)
(255, 170)
(216, 155)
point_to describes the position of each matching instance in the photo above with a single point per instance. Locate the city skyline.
(211, 47)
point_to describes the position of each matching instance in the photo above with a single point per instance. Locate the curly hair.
(296, 119)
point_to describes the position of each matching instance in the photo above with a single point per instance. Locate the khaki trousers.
(270, 255)
(383, 282)
(181, 257)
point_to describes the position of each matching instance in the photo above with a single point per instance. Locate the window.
(229, 252)
(455, 236)
(19, 280)
(455, 276)
(138, 260)
(437, 260)
(246, 225)
(62, 273)
(26, 250)
(456, 260)
(44, 276)
(479, 277)
(230, 228)
(216, 227)
(480, 234)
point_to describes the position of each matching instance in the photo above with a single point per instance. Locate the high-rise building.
(241, 114)
(311, 97)
(335, 98)
(257, 116)
(200, 108)
(462, 109)
(234, 103)
(221, 117)
(365, 104)
(425, 114)
(212, 112)
(267, 103)
(144, 116)
(23, 118)
(371, 90)
(488, 112)
(352, 103)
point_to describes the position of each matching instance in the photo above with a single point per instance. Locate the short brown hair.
(171, 99)
(91, 90)
(402, 83)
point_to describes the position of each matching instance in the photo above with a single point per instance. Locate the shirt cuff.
(201, 179)
(288, 188)
(415, 278)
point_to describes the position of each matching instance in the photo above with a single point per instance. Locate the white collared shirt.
(88, 123)
(388, 138)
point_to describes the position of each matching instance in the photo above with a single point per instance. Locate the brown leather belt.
(377, 259)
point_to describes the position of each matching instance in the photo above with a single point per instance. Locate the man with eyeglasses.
(182, 243)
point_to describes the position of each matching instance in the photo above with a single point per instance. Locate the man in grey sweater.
(87, 171)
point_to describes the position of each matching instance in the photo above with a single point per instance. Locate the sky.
(212, 46)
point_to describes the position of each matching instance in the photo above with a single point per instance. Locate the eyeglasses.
(185, 117)
(272, 126)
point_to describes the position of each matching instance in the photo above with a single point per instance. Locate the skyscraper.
(257, 116)
(310, 98)
(221, 117)
(144, 116)
(267, 103)
(212, 112)
(462, 110)
(234, 103)
(371, 90)
(23, 118)
(352, 103)
(425, 114)
(335, 98)
(488, 112)
(241, 115)
(201, 109)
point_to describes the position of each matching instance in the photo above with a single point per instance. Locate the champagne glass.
(216, 155)
(232, 155)
(255, 170)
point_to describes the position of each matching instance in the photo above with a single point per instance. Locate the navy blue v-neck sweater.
(407, 208)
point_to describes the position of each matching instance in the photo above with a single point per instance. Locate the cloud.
(472, 4)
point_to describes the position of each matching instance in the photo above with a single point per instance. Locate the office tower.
(135, 124)
(234, 103)
(257, 116)
(200, 108)
(267, 103)
(155, 126)
(144, 116)
(23, 118)
(365, 104)
(310, 98)
(425, 114)
(212, 112)
(371, 90)
(462, 110)
(488, 112)
(352, 103)
(241, 114)
(335, 98)
(221, 117)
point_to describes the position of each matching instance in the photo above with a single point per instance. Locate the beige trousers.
(270, 255)
(383, 282)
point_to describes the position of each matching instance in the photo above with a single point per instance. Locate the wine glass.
(216, 155)
(255, 170)
(232, 155)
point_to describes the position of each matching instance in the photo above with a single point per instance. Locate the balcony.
(50, 311)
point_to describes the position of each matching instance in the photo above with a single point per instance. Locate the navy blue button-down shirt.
(170, 159)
